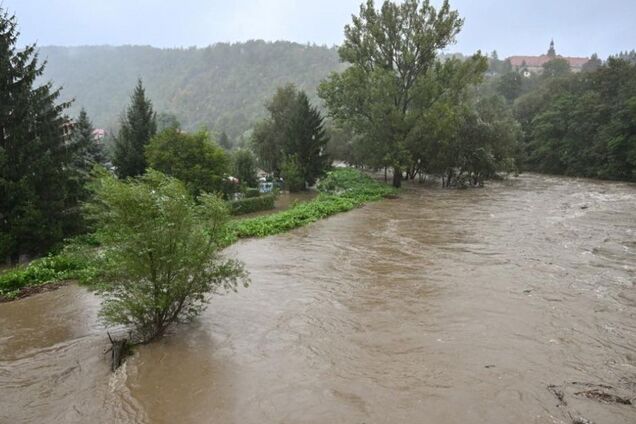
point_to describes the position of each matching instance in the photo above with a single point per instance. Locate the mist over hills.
(223, 86)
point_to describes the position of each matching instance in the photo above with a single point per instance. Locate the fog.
(510, 27)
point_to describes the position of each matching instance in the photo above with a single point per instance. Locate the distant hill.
(223, 86)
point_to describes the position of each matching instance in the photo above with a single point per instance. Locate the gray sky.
(579, 27)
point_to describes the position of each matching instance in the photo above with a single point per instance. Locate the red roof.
(539, 61)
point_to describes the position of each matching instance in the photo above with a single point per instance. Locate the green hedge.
(252, 192)
(252, 204)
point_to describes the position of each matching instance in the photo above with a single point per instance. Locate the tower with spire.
(551, 51)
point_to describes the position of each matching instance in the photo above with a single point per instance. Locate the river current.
(515, 303)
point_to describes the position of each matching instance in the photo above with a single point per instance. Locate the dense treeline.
(222, 87)
(579, 124)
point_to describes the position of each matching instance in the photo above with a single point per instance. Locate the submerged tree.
(160, 252)
(385, 91)
(34, 160)
(137, 128)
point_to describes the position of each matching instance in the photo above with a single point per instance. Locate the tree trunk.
(397, 177)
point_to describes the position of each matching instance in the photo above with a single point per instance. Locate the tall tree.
(269, 137)
(138, 126)
(307, 140)
(294, 128)
(224, 141)
(87, 151)
(385, 90)
(34, 160)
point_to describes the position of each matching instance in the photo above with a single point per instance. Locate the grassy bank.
(341, 191)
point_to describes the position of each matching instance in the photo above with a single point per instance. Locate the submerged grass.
(340, 191)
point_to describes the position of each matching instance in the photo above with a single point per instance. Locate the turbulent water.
(443, 306)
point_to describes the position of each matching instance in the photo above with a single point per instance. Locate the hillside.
(223, 86)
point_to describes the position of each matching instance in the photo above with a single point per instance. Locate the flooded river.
(443, 306)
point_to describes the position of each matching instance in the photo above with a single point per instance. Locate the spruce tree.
(86, 150)
(34, 159)
(224, 141)
(307, 140)
(138, 126)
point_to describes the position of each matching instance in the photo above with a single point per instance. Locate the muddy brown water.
(442, 306)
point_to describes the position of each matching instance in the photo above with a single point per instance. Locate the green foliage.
(556, 68)
(252, 204)
(293, 128)
(394, 78)
(582, 124)
(221, 87)
(53, 268)
(121, 244)
(342, 190)
(291, 173)
(138, 126)
(245, 167)
(35, 165)
(510, 85)
(252, 192)
(193, 158)
(224, 141)
(166, 121)
(159, 252)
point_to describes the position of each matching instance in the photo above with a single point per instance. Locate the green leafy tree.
(34, 160)
(556, 68)
(593, 64)
(270, 135)
(138, 126)
(245, 167)
(582, 124)
(509, 85)
(384, 92)
(294, 128)
(160, 252)
(292, 174)
(193, 158)
(166, 121)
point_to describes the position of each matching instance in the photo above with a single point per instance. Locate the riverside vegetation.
(340, 191)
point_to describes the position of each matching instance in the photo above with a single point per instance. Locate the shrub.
(252, 204)
(252, 192)
(292, 174)
(159, 252)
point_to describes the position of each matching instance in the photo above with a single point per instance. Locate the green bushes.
(251, 204)
(40, 271)
(341, 190)
(252, 192)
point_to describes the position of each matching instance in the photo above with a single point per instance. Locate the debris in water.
(558, 392)
(602, 396)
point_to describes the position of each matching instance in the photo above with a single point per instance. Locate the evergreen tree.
(308, 140)
(224, 141)
(86, 150)
(138, 126)
(33, 156)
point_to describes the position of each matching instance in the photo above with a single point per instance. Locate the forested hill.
(223, 86)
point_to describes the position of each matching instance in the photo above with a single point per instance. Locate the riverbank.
(341, 191)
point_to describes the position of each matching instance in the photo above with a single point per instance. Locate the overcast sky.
(579, 27)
